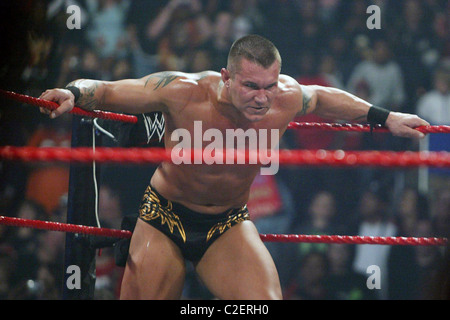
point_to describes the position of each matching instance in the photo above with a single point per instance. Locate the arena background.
(403, 66)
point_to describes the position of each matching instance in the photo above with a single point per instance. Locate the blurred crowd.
(404, 66)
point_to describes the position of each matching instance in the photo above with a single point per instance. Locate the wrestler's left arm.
(333, 103)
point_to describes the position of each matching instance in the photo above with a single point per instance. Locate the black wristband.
(377, 115)
(76, 92)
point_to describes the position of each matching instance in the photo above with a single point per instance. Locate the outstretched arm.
(151, 93)
(334, 103)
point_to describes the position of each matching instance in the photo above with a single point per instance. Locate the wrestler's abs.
(207, 189)
(211, 189)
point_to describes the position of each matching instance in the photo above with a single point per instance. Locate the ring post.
(80, 209)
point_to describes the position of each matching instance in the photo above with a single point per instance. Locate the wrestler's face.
(252, 88)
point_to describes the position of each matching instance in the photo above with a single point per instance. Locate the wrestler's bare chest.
(202, 121)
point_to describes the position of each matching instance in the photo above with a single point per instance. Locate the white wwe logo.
(157, 125)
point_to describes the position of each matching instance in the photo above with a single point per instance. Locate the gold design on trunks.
(152, 209)
(221, 227)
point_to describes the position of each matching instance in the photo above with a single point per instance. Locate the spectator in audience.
(50, 254)
(403, 278)
(220, 39)
(441, 212)
(434, 106)
(411, 44)
(246, 18)
(309, 283)
(413, 270)
(181, 27)
(343, 282)
(310, 26)
(320, 219)
(412, 208)
(375, 222)
(107, 27)
(383, 76)
(25, 242)
(69, 64)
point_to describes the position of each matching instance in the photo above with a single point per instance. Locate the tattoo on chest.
(165, 78)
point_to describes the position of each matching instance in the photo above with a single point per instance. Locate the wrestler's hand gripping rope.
(77, 111)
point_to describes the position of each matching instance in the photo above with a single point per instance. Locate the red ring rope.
(78, 111)
(132, 119)
(338, 158)
(361, 127)
(293, 238)
(64, 227)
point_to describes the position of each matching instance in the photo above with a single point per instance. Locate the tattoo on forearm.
(359, 119)
(88, 99)
(165, 78)
(306, 103)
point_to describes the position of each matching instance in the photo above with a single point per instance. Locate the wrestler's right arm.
(155, 92)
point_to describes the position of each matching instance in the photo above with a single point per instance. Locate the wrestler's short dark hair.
(254, 48)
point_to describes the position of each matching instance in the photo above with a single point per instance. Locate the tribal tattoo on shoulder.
(165, 78)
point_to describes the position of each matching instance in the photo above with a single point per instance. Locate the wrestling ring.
(339, 158)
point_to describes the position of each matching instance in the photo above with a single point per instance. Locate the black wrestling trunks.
(192, 232)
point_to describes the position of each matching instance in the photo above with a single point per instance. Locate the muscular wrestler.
(198, 212)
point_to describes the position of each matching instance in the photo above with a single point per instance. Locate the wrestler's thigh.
(155, 268)
(239, 266)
